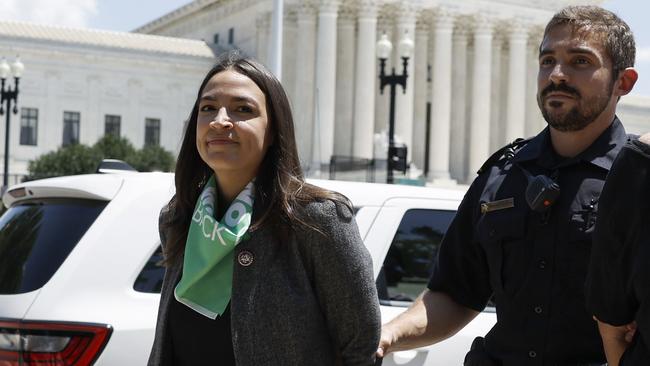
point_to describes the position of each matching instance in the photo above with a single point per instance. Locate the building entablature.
(71, 39)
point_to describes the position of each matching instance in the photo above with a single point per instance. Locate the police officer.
(619, 275)
(522, 233)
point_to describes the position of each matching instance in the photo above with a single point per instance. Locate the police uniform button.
(538, 309)
(532, 354)
(245, 258)
(492, 233)
(542, 264)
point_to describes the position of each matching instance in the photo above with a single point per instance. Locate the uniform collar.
(600, 153)
(534, 148)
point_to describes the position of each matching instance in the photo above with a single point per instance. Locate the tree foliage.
(114, 147)
(67, 160)
(82, 159)
(152, 158)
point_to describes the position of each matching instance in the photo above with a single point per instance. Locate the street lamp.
(6, 97)
(396, 155)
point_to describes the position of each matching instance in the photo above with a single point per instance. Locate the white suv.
(79, 280)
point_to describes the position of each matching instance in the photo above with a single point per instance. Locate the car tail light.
(35, 343)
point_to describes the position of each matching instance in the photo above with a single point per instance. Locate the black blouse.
(198, 340)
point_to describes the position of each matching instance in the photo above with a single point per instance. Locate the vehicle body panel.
(96, 282)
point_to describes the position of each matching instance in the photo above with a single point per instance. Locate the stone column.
(516, 111)
(441, 104)
(303, 106)
(480, 116)
(365, 80)
(497, 92)
(275, 60)
(289, 37)
(325, 82)
(344, 83)
(382, 101)
(421, 92)
(534, 120)
(458, 132)
(404, 100)
(263, 24)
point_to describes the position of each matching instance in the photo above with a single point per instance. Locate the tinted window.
(71, 128)
(28, 126)
(231, 35)
(112, 125)
(410, 259)
(151, 132)
(37, 236)
(151, 277)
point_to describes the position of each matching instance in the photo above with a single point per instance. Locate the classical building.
(474, 67)
(81, 84)
(471, 85)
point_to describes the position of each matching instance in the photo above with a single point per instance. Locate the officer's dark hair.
(616, 36)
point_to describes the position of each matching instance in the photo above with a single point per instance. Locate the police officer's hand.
(385, 342)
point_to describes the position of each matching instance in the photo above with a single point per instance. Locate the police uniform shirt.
(618, 284)
(533, 264)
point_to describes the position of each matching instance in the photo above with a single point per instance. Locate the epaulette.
(507, 152)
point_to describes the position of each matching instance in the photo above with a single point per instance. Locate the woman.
(262, 268)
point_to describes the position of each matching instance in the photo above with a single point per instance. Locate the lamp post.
(6, 97)
(384, 48)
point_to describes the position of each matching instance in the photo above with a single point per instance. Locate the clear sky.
(125, 15)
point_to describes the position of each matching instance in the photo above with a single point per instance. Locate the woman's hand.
(630, 330)
(616, 339)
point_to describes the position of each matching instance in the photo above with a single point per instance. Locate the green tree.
(81, 159)
(114, 147)
(152, 158)
(67, 160)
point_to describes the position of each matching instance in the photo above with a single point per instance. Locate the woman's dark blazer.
(309, 300)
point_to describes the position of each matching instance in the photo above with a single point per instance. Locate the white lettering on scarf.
(210, 228)
(203, 225)
(217, 230)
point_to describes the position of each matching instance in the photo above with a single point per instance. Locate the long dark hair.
(280, 188)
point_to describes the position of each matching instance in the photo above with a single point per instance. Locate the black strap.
(506, 152)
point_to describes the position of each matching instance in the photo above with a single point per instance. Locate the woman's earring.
(203, 181)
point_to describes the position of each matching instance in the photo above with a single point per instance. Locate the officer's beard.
(580, 116)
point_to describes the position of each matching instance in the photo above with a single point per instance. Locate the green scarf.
(206, 283)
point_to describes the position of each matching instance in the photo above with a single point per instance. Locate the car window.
(36, 237)
(150, 278)
(411, 257)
